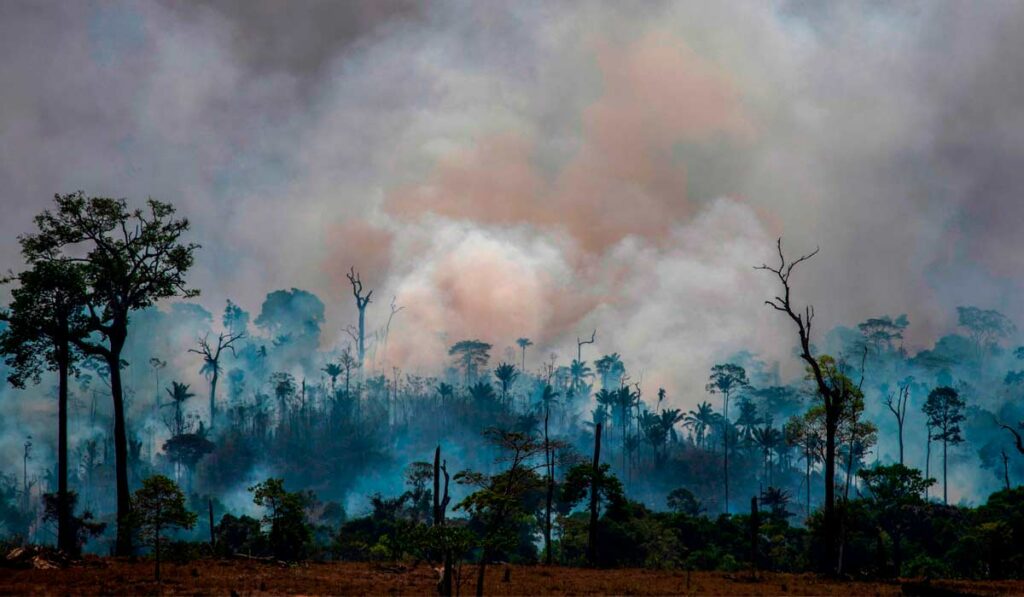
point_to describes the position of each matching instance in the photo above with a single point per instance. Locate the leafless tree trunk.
(211, 362)
(361, 302)
(830, 396)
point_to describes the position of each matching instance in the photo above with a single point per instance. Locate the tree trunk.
(124, 539)
(213, 395)
(550, 488)
(945, 493)
(594, 488)
(213, 536)
(481, 571)
(928, 461)
(362, 335)
(899, 430)
(830, 486)
(755, 532)
(65, 538)
(725, 443)
(437, 486)
(897, 552)
(156, 571)
(807, 457)
(1006, 469)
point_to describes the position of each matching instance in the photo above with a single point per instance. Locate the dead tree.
(1016, 436)
(897, 403)
(440, 505)
(832, 395)
(211, 362)
(580, 343)
(361, 302)
(1006, 467)
(387, 328)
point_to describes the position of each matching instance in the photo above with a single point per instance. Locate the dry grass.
(116, 577)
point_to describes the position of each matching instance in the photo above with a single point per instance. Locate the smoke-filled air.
(447, 293)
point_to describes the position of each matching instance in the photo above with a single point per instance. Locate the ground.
(115, 577)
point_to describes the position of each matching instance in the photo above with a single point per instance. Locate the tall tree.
(832, 394)
(470, 356)
(595, 487)
(334, 371)
(726, 379)
(211, 362)
(362, 300)
(986, 327)
(945, 411)
(897, 402)
(497, 500)
(45, 315)
(132, 258)
(505, 373)
(610, 369)
(895, 492)
(523, 344)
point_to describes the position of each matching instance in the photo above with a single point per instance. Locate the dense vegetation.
(295, 452)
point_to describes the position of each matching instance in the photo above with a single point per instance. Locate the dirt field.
(108, 577)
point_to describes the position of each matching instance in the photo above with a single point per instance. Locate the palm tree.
(611, 369)
(701, 420)
(523, 343)
(333, 370)
(505, 373)
(482, 393)
(179, 393)
(579, 371)
(445, 392)
(767, 438)
(669, 418)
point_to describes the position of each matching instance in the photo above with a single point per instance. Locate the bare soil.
(216, 577)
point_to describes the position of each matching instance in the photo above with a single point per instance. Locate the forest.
(180, 434)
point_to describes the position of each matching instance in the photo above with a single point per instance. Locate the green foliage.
(159, 506)
(290, 533)
(240, 535)
(683, 501)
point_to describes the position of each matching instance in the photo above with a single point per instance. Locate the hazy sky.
(544, 168)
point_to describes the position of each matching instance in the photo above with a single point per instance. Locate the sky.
(539, 169)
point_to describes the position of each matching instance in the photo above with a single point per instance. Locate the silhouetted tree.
(523, 344)
(470, 356)
(726, 380)
(43, 320)
(211, 362)
(506, 374)
(159, 506)
(362, 300)
(497, 499)
(944, 409)
(132, 259)
(986, 327)
(832, 394)
(897, 402)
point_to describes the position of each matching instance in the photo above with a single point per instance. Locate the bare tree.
(897, 403)
(832, 395)
(361, 302)
(580, 343)
(211, 362)
(1016, 436)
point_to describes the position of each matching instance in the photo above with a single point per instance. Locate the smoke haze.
(543, 169)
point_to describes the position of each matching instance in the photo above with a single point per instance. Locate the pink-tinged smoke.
(493, 245)
(623, 179)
